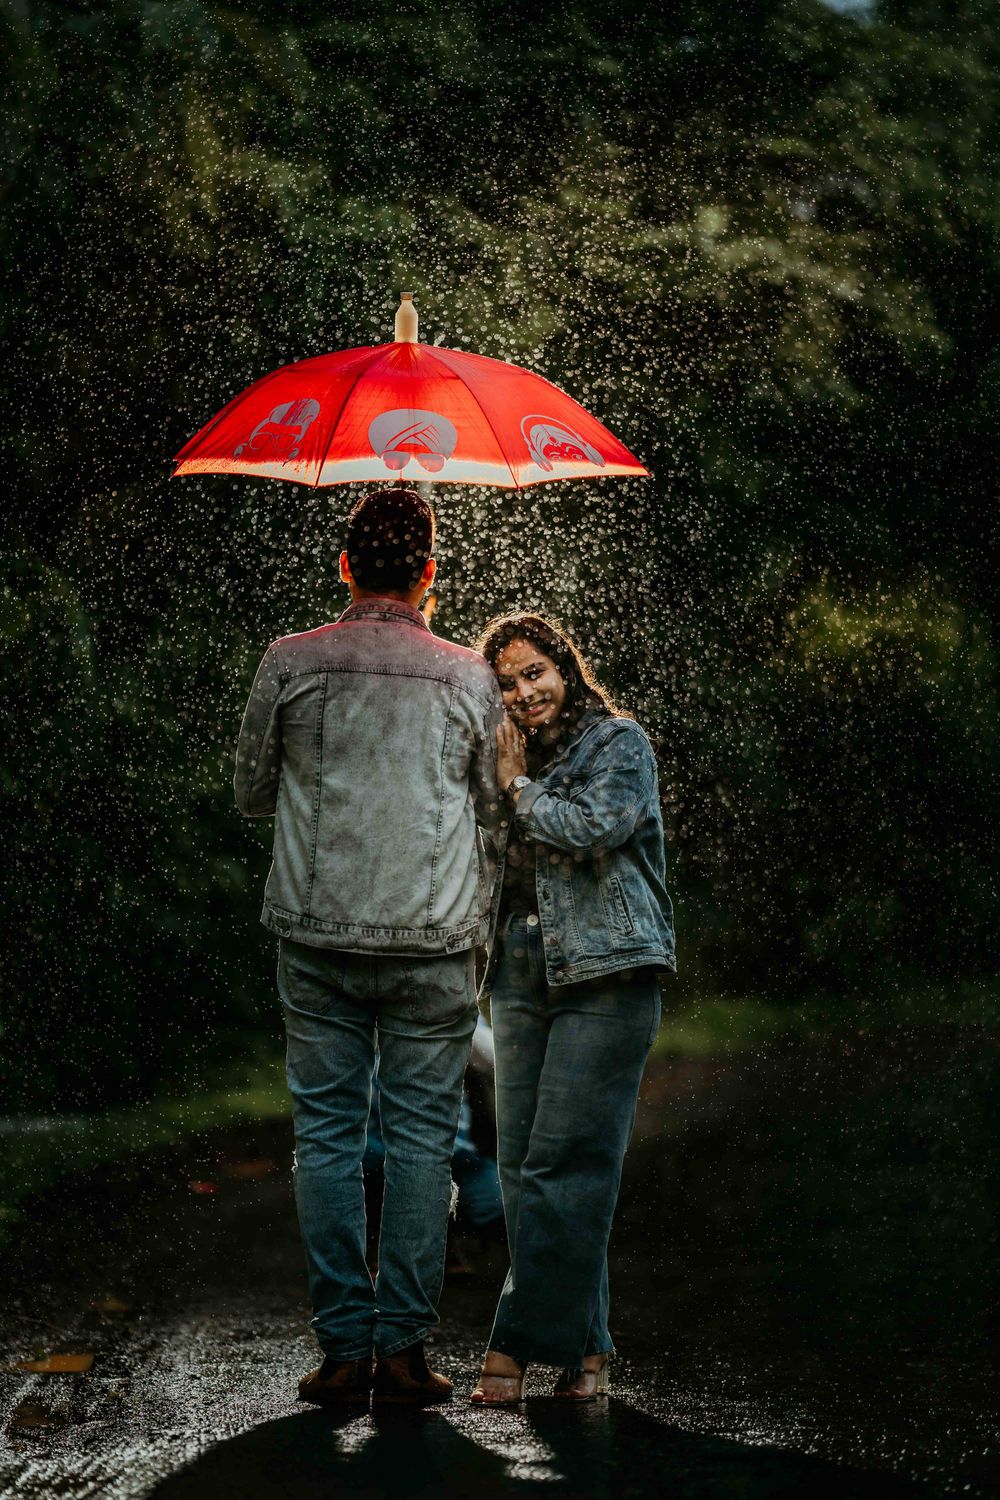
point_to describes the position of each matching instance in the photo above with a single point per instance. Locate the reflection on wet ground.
(804, 1287)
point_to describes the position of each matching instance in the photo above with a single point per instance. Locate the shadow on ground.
(604, 1449)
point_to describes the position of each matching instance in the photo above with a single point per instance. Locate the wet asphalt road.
(803, 1306)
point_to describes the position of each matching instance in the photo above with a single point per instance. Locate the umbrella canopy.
(409, 411)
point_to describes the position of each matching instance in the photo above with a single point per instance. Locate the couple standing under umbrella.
(431, 803)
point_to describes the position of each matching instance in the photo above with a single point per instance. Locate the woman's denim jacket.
(594, 812)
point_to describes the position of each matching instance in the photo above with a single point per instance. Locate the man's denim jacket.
(373, 744)
(594, 813)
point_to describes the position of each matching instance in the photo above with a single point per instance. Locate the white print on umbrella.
(550, 442)
(398, 436)
(280, 434)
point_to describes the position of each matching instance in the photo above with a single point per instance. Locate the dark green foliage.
(760, 243)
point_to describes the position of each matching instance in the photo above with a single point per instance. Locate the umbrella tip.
(406, 320)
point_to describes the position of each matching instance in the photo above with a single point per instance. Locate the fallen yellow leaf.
(110, 1304)
(30, 1415)
(59, 1364)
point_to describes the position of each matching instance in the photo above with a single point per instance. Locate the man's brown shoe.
(404, 1376)
(337, 1382)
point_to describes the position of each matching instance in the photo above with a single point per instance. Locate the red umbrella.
(409, 411)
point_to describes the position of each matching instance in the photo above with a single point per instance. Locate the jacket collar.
(379, 607)
(586, 721)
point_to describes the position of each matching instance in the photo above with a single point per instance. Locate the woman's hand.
(511, 758)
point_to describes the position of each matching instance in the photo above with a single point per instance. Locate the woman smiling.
(582, 925)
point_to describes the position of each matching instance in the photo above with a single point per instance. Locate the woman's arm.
(603, 812)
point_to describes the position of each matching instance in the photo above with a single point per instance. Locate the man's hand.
(511, 758)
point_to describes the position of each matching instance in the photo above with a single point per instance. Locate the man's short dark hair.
(390, 537)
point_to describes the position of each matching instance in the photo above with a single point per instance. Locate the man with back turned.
(372, 743)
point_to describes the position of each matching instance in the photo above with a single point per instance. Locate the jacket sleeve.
(605, 810)
(258, 753)
(483, 770)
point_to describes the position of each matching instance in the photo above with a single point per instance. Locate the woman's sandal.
(583, 1385)
(504, 1389)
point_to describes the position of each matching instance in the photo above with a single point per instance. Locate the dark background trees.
(760, 243)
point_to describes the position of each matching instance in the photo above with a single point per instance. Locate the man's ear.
(427, 576)
(345, 569)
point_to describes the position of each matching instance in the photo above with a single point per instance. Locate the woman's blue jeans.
(569, 1062)
(422, 1013)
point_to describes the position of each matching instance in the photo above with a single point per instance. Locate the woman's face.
(531, 685)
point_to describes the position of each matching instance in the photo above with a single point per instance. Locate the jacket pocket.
(616, 906)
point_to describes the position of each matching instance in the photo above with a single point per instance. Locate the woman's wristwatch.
(517, 785)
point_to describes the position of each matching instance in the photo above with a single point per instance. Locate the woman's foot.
(501, 1383)
(584, 1384)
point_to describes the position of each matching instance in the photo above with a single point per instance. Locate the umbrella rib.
(482, 408)
(363, 370)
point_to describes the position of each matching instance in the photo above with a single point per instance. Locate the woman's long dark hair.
(583, 691)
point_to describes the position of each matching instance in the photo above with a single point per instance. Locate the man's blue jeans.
(569, 1063)
(421, 1013)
